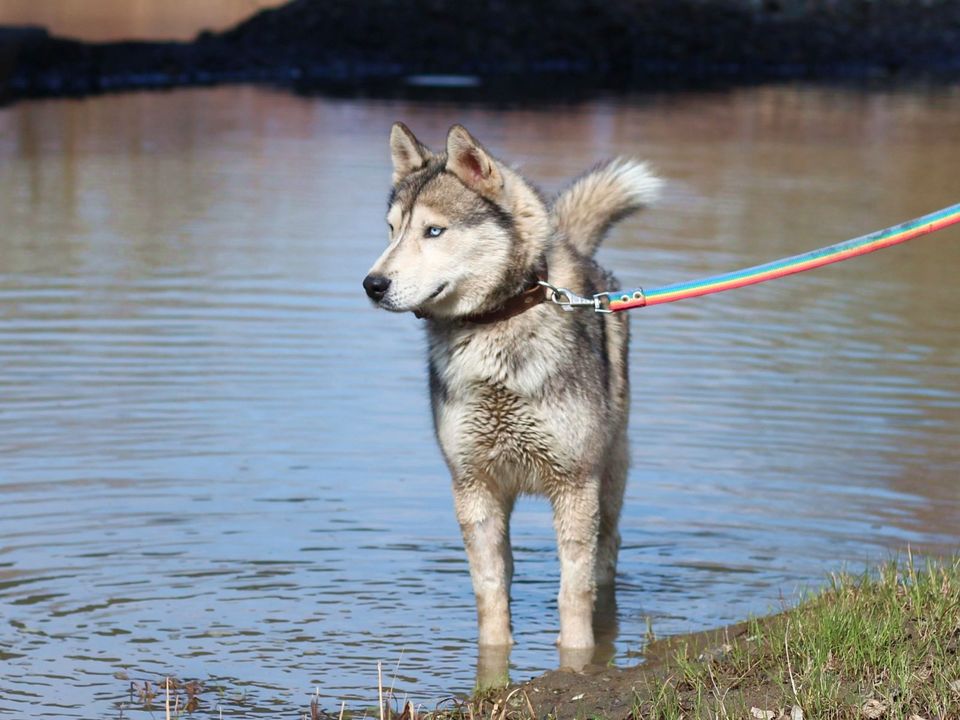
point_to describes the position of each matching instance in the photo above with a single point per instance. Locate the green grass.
(881, 644)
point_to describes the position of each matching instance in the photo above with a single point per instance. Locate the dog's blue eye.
(434, 231)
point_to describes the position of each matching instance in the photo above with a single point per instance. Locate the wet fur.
(534, 404)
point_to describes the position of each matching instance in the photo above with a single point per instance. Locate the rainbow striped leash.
(617, 300)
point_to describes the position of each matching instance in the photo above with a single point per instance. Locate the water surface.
(216, 459)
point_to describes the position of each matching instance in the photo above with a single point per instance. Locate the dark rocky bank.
(511, 49)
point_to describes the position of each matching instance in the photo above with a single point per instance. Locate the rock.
(718, 653)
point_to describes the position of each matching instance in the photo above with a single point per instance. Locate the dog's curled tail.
(596, 200)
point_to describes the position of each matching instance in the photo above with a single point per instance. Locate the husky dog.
(526, 398)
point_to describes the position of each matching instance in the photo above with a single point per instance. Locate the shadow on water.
(216, 460)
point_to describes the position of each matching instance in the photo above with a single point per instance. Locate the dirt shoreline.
(502, 51)
(611, 692)
(876, 645)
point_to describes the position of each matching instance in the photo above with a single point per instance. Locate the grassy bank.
(882, 644)
(872, 646)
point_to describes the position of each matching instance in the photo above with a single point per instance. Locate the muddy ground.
(613, 693)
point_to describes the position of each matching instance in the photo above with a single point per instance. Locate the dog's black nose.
(376, 286)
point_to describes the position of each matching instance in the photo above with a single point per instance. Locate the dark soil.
(509, 50)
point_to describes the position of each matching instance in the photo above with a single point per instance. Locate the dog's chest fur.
(491, 417)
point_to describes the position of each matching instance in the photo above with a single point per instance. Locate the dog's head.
(464, 229)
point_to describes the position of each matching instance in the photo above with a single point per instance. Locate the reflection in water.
(493, 661)
(216, 460)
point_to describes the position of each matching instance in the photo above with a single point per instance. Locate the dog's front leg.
(576, 519)
(484, 521)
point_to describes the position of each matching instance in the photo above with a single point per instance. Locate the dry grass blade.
(506, 703)
(380, 686)
(526, 697)
(786, 650)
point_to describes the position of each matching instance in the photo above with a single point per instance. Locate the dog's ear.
(408, 153)
(467, 159)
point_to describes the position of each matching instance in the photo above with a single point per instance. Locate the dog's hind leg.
(612, 485)
(576, 519)
(484, 519)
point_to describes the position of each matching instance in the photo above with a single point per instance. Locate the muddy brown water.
(216, 459)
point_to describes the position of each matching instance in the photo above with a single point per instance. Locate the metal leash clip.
(569, 300)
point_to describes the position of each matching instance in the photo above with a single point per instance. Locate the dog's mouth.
(421, 312)
(435, 293)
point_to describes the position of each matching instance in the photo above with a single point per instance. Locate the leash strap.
(617, 300)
